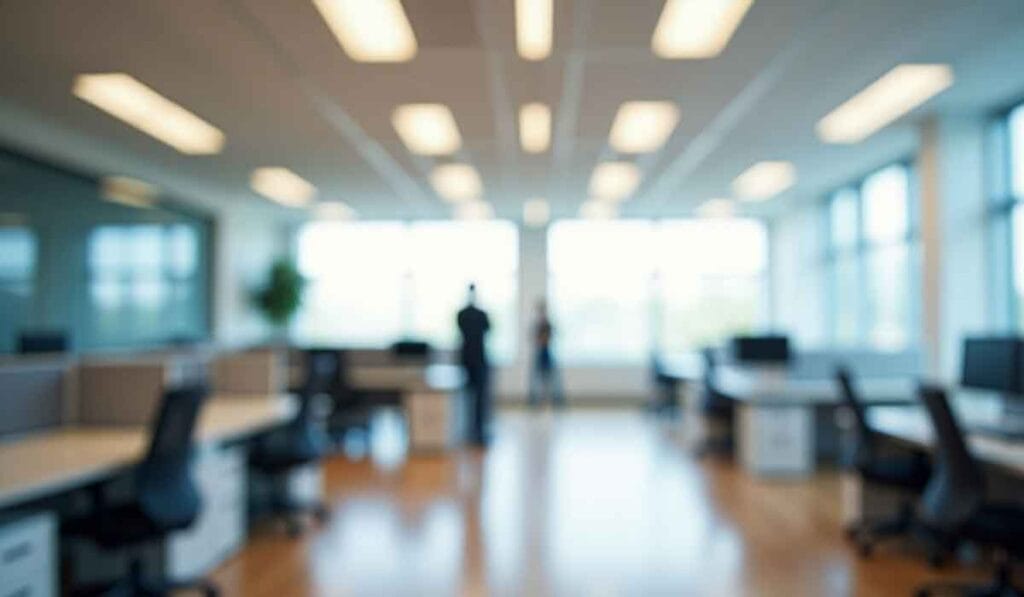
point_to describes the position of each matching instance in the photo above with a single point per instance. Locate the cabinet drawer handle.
(25, 591)
(19, 551)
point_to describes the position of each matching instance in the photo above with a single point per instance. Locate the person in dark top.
(544, 374)
(473, 326)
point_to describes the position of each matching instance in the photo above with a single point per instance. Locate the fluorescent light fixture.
(128, 99)
(643, 127)
(283, 186)
(764, 180)
(474, 210)
(536, 213)
(334, 210)
(598, 210)
(128, 191)
(697, 28)
(427, 129)
(370, 30)
(456, 183)
(535, 127)
(534, 28)
(896, 93)
(614, 181)
(717, 208)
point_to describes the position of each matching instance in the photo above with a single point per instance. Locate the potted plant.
(279, 299)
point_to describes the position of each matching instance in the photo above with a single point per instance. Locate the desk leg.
(776, 440)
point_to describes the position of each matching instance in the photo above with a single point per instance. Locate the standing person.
(544, 374)
(474, 325)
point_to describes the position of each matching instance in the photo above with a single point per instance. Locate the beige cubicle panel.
(126, 391)
(261, 371)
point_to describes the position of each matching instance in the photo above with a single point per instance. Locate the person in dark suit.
(474, 325)
(544, 374)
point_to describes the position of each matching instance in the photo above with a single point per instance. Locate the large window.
(371, 283)
(144, 283)
(871, 261)
(620, 289)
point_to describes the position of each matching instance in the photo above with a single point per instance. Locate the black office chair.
(303, 441)
(954, 503)
(666, 388)
(907, 471)
(351, 409)
(717, 407)
(165, 500)
(41, 342)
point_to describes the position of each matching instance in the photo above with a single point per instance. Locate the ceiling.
(270, 74)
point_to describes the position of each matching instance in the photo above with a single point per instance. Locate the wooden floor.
(592, 503)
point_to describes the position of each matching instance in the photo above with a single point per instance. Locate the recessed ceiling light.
(334, 210)
(643, 127)
(598, 210)
(128, 191)
(283, 186)
(535, 127)
(456, 182)
(427, 129)
(128, 99)
(697, 28)
(614, 181)
(764, 180)
(534, 28)
(370, 31)
(536, 213)
(896, 93)
(474, 210)
(716, 208)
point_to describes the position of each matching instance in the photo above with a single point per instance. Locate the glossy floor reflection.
(594, 503)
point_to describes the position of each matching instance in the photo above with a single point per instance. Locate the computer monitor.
(43, 342)
(993, 363)
(766, 348)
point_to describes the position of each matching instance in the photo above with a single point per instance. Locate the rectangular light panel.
(474, 211)
(643, 127)
(128, 191)
(536, 213)
(456, 183)
(716, 208)
(427, 129)
(697, 28)
(535, 127)
(283, 186)
(764, 180)
(370, 30)
(614, 181)
(128, 99)
(534, 28)
(896, 93)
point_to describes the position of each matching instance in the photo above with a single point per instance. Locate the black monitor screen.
(992, 363)
(761, 349)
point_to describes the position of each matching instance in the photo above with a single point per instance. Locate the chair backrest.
(304, 437)
(713, 397)
(957, 487)
(43, 342)
(864, 439)
(165, 489)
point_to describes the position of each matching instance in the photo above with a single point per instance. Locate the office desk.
(402, 377)
(776, 414)
(62, 459)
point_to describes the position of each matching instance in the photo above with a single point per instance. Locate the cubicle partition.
(36, 393)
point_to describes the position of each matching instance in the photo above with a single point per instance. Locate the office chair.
(411, 349)
(351, 409)
(302, 442)
(907, 472)
(40, 342)
(165, 500)
(954, 504)
(717, 408)
(666, 388)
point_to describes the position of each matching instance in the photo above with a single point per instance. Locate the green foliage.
(280, 298)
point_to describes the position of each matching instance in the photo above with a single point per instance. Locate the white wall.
(247, 241)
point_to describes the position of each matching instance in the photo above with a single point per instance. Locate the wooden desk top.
(911, 424)
(63, 458)
(399, 376)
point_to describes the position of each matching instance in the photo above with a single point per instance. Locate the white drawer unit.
(776, 440)
(220, 528)
(28, 556)
(433, 418)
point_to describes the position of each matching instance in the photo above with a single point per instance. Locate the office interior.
(780, 246)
